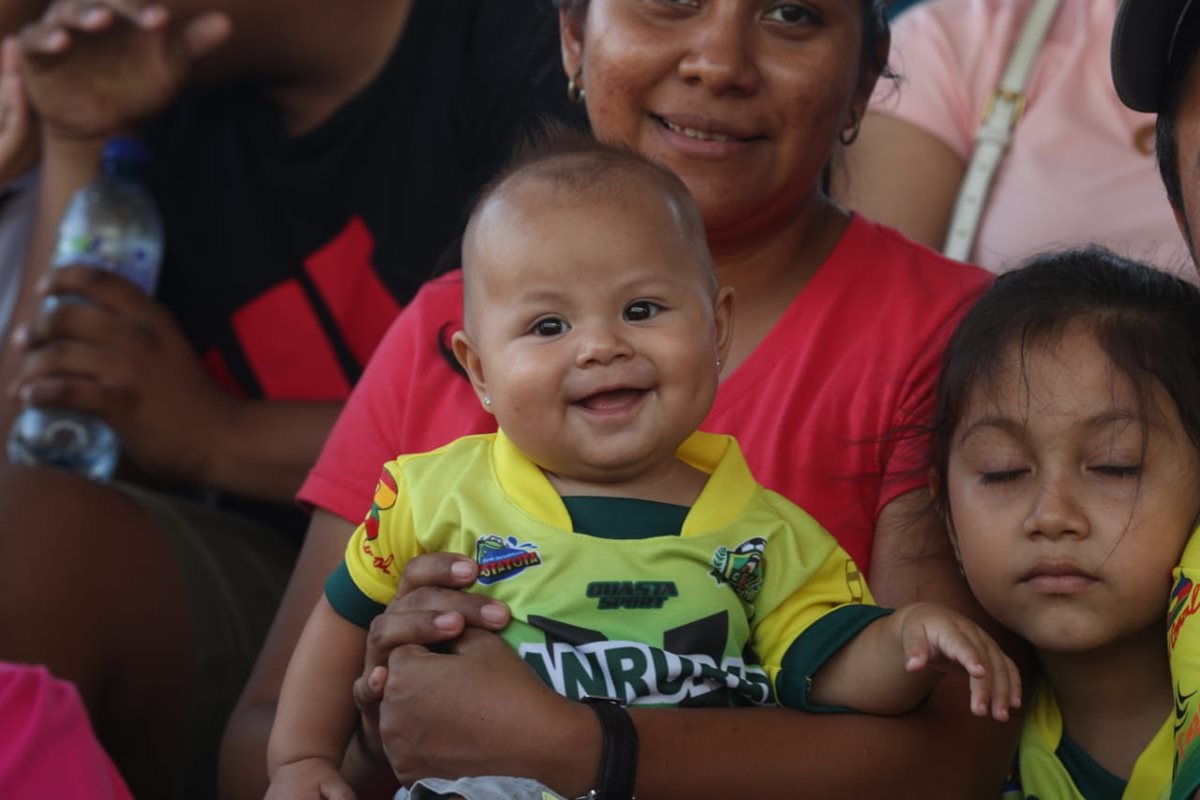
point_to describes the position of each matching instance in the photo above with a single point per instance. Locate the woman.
(838, 328)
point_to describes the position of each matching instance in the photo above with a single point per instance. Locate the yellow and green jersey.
(742, 605)
(1052, 767)
(1183, 646)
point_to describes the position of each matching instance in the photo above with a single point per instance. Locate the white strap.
(1003, 110)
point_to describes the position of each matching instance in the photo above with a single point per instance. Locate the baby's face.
(597, 329)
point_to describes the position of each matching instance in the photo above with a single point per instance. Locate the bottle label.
(134, 258)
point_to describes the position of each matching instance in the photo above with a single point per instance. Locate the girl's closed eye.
(642, 310)
(1118, 470)
(996, 477)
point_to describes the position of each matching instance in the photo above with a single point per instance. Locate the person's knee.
(82, 569)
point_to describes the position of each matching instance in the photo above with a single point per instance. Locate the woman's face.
(743, 99)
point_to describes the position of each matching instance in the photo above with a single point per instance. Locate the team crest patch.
(385, 498)
(743, 567)
(503, 558)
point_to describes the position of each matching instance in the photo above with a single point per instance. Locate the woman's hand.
(428, 609)
(123, 358)
(97, 67)
(481, 710)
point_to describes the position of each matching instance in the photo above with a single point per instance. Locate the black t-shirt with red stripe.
(287, 257)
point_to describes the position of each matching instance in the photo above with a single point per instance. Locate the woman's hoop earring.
(575, 92)
(847, 139)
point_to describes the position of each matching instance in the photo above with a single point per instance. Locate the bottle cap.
(126, 150)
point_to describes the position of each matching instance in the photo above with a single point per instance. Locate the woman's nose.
(722, 54)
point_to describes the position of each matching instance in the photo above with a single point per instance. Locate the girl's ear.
(723, 317)
(942, 504)
(468, 357)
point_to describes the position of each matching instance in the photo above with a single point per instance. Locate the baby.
(640, 560)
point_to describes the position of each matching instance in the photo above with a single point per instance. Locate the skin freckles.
(742, 99)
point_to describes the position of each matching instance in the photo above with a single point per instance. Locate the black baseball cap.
(1146, 40)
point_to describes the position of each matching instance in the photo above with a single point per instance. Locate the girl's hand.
(938, 638)
(18, 131)
(309, 779)
(97, 67)
(428, 610)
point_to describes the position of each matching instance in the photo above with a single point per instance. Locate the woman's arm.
(481, 711)
(900, 175)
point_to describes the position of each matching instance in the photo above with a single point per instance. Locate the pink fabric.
(47, 747)
(1072, 173)
(851, 362)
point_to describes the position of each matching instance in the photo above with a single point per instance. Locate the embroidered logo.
(743, 567)
(1185, 601)
(854, 582)
(385, 498)
(503, 558)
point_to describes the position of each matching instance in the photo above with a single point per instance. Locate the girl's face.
(1070, 503)
(743, 99)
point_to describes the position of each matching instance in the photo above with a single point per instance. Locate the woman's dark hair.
(875, 33)
(1146, 321)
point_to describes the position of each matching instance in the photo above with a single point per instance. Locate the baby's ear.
(468, 358)
(723, 319)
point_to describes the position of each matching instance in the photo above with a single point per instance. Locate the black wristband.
(619, 751)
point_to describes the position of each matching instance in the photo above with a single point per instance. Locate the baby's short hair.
(581, 167)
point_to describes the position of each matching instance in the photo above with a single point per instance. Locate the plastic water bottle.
(111, 224)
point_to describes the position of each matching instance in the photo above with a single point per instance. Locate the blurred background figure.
(1079, 167)
(312, 162)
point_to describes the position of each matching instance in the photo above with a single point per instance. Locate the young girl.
(640, 560)
(1066, 459)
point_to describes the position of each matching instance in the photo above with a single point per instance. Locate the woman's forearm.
(936, 751)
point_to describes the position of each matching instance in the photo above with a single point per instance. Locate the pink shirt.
(1080, 166)
(824, 408)
(47, 748)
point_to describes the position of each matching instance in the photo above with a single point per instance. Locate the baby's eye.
(641, 310)
(1001, 476)
(790, 14)
(1119, 470)
(550, 326)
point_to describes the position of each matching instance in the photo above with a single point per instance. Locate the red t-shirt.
(824, 408)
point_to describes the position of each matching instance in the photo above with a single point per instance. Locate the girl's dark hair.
(1146, 321)
(875, 34)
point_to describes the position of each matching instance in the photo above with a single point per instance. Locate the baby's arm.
(896, 661)
(316, 715)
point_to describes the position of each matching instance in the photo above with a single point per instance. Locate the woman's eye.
(1000, 476)
(790, 13)
(550, 326)
(642, 310)
(1119, 470)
